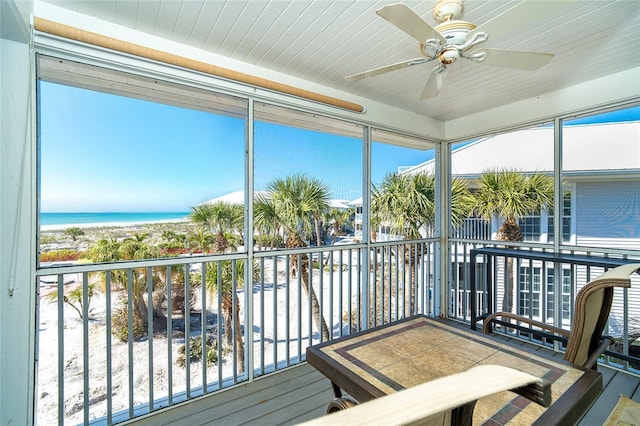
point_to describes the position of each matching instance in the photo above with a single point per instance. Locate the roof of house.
(586, 149)
(237, 197)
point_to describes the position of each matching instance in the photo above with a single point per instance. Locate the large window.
(497, 170)
(122, 157)
(132, 169)
(403, 187)
(530, 227)
(529, 280)
(308, 177)
(566, 220)
(565, 287)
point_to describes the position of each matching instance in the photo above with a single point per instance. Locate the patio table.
(418, 349)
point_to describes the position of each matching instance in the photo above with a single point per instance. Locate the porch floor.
(301, 393)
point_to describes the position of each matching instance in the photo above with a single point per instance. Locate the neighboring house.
(235, 197)
(601, 170)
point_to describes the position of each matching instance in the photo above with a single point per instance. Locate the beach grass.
(57, 245)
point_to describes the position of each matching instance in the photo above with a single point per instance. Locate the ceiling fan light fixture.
(449, 55)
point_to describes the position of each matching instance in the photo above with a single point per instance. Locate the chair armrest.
(486, 325)
(592, 361)
(436, 399)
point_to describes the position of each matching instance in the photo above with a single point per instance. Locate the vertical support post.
(443, 229)
(558, 205)
(248, 243)
(366, 231)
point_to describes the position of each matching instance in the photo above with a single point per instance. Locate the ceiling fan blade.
(434, 82)
(511, 20)
(515, 59)
(386, 68)
(408, 21)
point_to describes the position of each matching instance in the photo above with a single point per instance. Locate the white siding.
(608, 212)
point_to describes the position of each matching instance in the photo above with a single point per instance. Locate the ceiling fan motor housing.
(455, 32)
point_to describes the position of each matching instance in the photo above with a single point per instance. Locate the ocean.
(107, 217)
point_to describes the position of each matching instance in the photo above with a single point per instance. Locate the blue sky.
(102, 152)
(106, 153)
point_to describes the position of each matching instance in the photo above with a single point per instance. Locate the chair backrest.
(591, 312)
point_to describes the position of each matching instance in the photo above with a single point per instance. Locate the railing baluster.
(274, 317)
(287, 310)
(130, 335)
(203, 324)
(61, 361)
(262, 316)
(150, 333)
(340, 290)
(187, 331)
(109, 355)
(170, 333)
(235, 331)
(330, 326)
(320, 293)
(350, 291)
(310, 287)
(85, 344)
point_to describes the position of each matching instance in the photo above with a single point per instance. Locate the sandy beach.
(275, 314)
(103, 225)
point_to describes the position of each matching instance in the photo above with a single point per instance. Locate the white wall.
(609, 90)
(17, 250)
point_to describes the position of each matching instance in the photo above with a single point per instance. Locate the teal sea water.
(107, 217)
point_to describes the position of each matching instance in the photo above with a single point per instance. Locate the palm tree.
(265, 219)
(130, 249)
(223, 273)
(200, 240)
(406, 202)
(338, 218)
(221, 219)
(299, 201)
(510, 195)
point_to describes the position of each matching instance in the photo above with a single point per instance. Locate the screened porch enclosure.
(146, 318)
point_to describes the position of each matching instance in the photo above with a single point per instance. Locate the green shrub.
(195, 351)
(62, 255)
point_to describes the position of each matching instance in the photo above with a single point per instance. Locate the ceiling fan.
(453, 39)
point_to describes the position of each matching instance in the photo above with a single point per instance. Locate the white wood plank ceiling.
(323, 41)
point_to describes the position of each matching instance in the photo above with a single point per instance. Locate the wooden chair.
(449, 400)
(584, 343)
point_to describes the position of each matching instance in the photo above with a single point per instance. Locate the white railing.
(538, 292)
(473, 228)
(119, 340)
